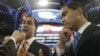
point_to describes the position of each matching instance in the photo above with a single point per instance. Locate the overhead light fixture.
(42, 2)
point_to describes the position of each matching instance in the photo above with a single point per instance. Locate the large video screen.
(47, 15)
(48, 33)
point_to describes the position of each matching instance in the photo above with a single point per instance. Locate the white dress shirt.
(29, 42)
(81, 29)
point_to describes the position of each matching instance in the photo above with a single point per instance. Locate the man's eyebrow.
(62, 14)
(29, 21)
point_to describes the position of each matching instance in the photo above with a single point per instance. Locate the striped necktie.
(22, 48)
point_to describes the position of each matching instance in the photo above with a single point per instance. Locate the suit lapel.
(33, 45)
(17, 46)
(84, 35)
(34, 48)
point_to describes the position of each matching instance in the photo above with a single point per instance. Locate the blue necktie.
(76, 38)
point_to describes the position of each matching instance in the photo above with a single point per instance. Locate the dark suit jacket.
(89, 43)
(35, 47)
(8, 49)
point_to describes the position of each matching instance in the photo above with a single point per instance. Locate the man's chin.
(24, 32)
(70, 28)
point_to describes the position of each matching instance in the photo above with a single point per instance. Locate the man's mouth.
(25, 30)
(65, 24)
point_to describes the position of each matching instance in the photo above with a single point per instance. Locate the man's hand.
(18, 36)
(40, 52)
(30, 54)
(64, 35)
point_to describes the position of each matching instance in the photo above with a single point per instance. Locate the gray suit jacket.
(8, 49)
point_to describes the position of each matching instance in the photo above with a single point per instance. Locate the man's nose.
(63, 21)
(25, 25)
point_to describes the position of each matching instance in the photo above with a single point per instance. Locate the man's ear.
(79, 10)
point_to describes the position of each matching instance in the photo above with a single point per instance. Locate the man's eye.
(64, 14)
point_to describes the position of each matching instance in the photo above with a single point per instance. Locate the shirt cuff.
(13, 40)
(59, 51)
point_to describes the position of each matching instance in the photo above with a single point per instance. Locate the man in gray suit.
(8, 46)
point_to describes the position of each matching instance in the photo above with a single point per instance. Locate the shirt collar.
(30, 40)
(83, 27)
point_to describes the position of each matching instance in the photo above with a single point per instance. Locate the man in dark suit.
(74, 18)
(8, 46)
(29, 27)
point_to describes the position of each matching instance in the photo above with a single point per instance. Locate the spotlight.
(42, 3)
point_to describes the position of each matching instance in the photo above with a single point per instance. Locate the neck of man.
(28, 37)
(82, 22)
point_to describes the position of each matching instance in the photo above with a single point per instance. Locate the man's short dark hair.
(74, 5)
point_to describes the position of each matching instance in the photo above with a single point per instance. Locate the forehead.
(29, 19)
(65, 8)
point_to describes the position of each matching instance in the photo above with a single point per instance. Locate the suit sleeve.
(97, 35)
(47, 51)
(8, 49)
(58, 52)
